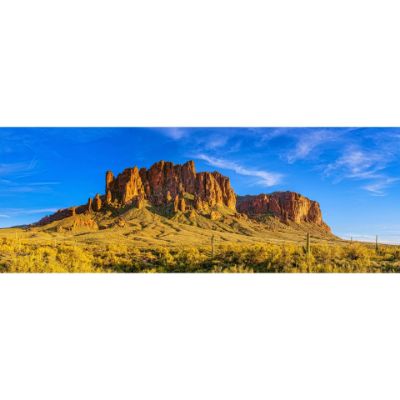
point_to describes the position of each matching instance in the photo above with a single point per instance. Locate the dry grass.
(144, 241)
(22, 254)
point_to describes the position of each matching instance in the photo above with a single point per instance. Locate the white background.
(203, 63)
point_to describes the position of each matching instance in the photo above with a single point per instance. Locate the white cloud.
(355, 163)
(266, 178)
(267, 135)
(174, 133)
(12, 168)
(26, 187)
(309, 142)
(378, 187)
(215, 142)
(359, 164)
(42, 183)
(8, 212)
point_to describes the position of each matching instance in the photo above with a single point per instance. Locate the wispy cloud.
(266, 135)
(216, 142)
(345, 154)
(378, 187)
(12, 212)
(359, 164)
(309, 142)
(43, 183)
(356, 163)
(14, 216)
(12, 168)
(175, 133)
(10, 187)
(265, 178)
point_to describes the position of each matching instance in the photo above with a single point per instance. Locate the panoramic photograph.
(200, 200)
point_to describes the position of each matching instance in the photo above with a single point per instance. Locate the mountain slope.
(173, 205)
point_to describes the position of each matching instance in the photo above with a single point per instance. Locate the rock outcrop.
(126, 187)
(164, 182)
(287, 206)
(62, 214)
(97, 203)
(179, 188)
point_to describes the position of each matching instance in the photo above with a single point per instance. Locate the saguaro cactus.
(212, 246)
(376, 245)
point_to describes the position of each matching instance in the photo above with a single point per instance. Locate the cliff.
(287, 206)
(179, 188)
(163, 184)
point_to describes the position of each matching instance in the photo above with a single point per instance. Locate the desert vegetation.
(24, 255)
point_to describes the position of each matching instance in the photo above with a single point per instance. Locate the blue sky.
(353, 173)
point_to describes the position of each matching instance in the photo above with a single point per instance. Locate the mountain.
(286, 206)
(173, 204)
(165, 182)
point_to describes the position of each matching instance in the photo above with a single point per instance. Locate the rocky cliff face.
(164, 184)
(180, 188)
(287, 206)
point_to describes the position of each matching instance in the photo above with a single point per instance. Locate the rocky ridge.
(166, 183)
(180, 189)
(286, 206)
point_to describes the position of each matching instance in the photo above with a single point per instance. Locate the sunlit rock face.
(164, 181)
(287, 206)
(180, 189)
